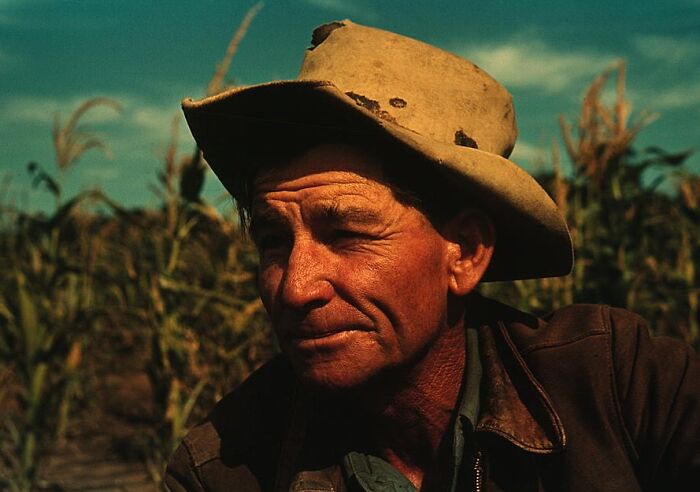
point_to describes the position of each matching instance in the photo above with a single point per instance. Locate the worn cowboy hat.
(440, 107)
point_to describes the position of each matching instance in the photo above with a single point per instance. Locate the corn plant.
(622, 227)
(176, 304)
(45, 303)
(198, 299)
(71, 140)
(39, 344)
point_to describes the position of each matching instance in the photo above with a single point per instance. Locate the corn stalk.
(635, 247)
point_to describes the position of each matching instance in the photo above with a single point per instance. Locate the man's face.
(355, 282)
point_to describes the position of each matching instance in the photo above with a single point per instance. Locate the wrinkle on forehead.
(336, 182)
(322, 192)
(339, 164)
(330, 199)
(351, 183)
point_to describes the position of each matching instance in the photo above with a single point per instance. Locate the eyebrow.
(267, 218)
(336, 213)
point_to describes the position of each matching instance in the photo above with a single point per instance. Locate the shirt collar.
(469, 403)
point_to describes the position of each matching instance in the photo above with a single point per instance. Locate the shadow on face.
(356, 281)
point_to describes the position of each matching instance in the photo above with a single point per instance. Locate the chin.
(335, 377)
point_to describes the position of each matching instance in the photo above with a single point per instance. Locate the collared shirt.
(370, 473)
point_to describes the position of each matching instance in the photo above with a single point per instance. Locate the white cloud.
(528, 153)
(343, 7)
(531, 62)
(155, 119)
(100, 174)
(140, 131)
(681, 96)
(667, 49)
(32, 109)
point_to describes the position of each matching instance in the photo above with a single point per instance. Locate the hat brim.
(533, 240)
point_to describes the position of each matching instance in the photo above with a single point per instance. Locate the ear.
(471, 237)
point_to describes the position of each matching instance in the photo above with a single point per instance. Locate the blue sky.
(148, 55)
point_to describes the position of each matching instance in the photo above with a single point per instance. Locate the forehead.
(325, 170)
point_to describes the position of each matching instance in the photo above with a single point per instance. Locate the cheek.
(415, 270)
(406, 290)
(423, 286)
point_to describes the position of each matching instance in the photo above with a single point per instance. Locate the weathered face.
(355, 282)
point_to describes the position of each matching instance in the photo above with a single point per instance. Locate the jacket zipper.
(477, 472)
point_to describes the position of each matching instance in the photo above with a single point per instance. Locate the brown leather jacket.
(582, 400)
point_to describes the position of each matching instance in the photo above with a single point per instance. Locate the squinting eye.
(344, 234)
(347, 235)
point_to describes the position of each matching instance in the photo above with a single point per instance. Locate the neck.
(407, 417)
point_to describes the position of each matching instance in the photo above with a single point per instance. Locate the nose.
(306, 281)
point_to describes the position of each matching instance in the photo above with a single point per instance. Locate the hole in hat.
(465, 140)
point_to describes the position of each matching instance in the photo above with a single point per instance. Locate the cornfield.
(636, 246)
(165, 298)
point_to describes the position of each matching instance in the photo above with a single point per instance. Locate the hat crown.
(420, 87)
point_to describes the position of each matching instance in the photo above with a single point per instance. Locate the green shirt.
(372, 474)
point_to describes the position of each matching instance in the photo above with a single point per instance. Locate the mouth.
(323, 341)
(316, 335)
(319, 335)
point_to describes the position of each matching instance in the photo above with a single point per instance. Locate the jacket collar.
(514, 405)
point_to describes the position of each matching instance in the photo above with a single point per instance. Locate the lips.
(326, 329)
(329, 344)
(306, 332)
(314, 335)
(308, 336)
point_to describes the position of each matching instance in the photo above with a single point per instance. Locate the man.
(379, 194)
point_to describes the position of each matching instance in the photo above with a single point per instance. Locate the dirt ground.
(100, 453)
(82, 470)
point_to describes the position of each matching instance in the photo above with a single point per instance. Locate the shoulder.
(626, 335)
(619, 337)
(566, 326)
(652, 381)
(244, 432)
